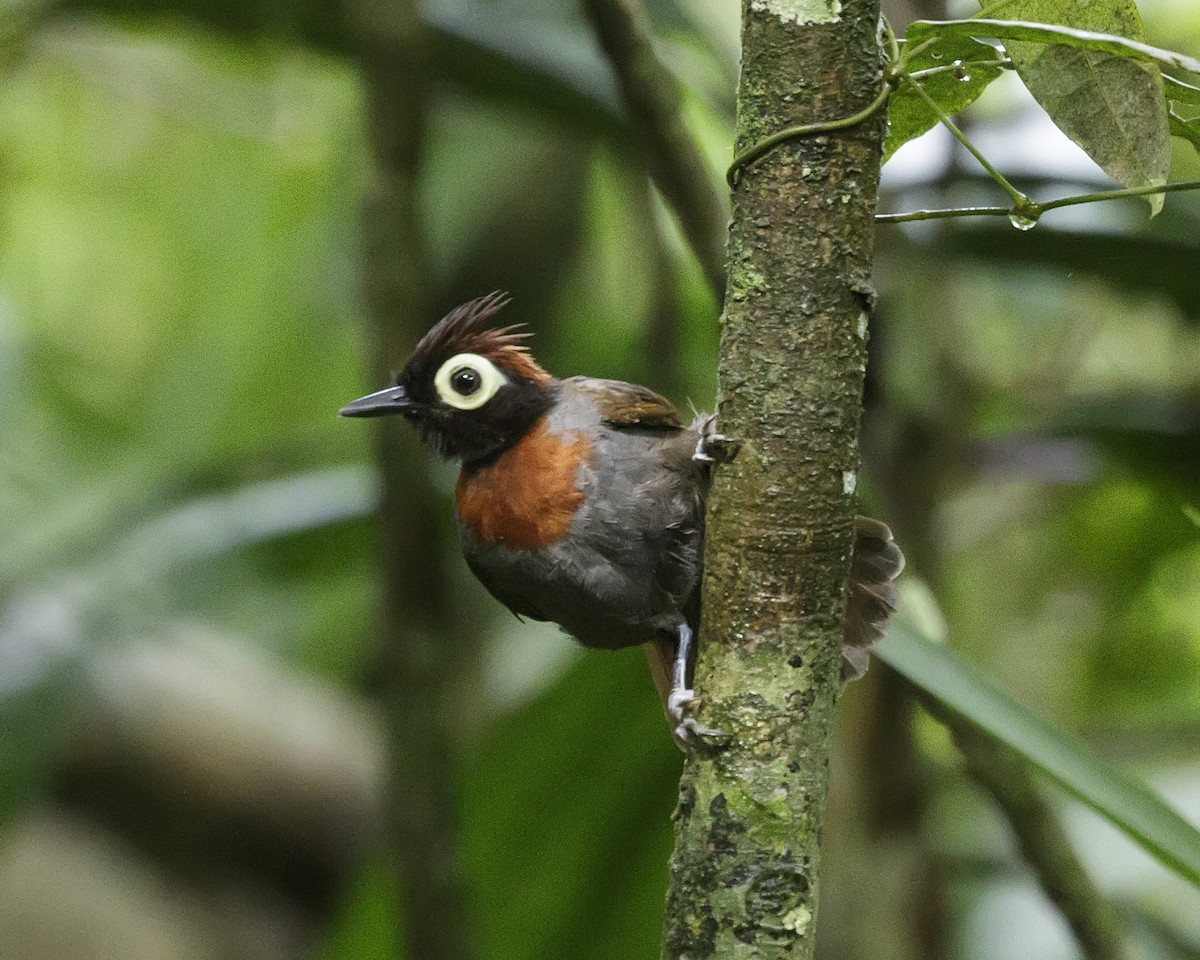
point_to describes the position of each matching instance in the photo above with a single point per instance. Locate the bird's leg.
(681, 694)
(713, 447)
(682, 698)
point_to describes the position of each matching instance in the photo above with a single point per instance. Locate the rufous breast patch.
(527, 498)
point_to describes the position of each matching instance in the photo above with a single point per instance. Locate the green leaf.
(1046, 33)
(1091, 75)
(909, 116)
(1180, 91)
(1111, 107)
(1118, 796)
(1186, 129)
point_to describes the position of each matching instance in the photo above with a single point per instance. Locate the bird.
(581, 501)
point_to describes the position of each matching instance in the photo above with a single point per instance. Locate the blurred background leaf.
(194, 757)
(1122, 799)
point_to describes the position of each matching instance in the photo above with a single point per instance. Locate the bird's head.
(471, 388)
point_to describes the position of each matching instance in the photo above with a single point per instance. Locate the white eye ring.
(488, 380)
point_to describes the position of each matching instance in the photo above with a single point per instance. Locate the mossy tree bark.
(780, 523)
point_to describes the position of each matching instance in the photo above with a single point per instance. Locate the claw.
(691, 728)
(689, 732)
(677, 700)
(713, 448)
(691, 735)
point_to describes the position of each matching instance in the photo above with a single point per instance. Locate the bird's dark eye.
(465, 381)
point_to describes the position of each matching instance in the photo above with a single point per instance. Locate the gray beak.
(378, 404)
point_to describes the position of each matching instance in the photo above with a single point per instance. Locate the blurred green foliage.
(180, 318)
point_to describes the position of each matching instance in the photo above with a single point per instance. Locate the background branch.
(654, 100)
(1040, 837)
(414, 675)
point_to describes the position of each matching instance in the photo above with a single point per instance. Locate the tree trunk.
(780, 521)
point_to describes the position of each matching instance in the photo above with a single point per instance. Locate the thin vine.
(1024, 212)
(1032, 209)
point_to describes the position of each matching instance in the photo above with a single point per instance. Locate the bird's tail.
(876, 563)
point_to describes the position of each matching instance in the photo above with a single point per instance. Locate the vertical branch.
(654, 101)
(416, 667)
(793, 351)
(1043, 843)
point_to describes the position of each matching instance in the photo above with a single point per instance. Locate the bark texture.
(780, 521)
(414, 675)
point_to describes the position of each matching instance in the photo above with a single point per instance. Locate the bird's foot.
(712, 447)
(689, 732)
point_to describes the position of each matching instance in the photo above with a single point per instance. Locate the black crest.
(467, 329)
(476, 435)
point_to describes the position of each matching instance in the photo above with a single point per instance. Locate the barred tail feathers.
(873, 598)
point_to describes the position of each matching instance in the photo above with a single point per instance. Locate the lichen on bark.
(780, 520)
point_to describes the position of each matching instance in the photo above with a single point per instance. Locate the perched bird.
(581, 501)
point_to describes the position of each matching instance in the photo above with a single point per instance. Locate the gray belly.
(627, 569)
(608, 591)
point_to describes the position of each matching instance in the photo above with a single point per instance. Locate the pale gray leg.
(682, 698)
